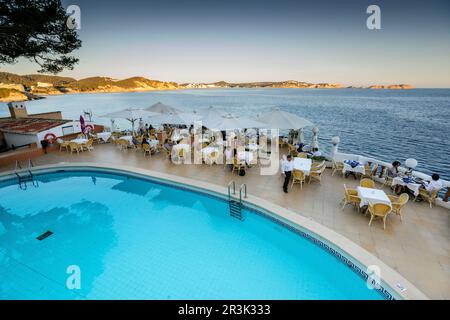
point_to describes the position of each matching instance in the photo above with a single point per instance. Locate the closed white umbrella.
(231, 122)
(162, 108)
(130, 114)
(279, 119)
(174, 118)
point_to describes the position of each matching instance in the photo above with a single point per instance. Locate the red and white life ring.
(50, 137)
(88, 128)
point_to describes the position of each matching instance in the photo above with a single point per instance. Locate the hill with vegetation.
(24, 87)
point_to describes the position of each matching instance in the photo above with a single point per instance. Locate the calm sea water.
(386, 124)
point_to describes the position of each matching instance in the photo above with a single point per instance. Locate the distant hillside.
(33, 79)
(16, 87)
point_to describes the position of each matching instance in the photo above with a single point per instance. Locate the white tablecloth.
(303, 165)
(153, 143)
(357, 169)
(79, 140)
(128, 138)
(104, 135)
(372, 196)
(245, 156)
(414, 187)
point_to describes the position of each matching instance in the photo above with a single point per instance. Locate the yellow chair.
(317, 165)
(369, 171)
(429, 197)
(182, 154)
(379, 210)
(63, 144)
(291, 148)
(337, 167)
(146, 150)
(317, 174)
(298, 176)
(73, 146)
(302, 155)
(388, 182)
(122, 144)
(367, 183)
(398, 203)
(351, 197)
(88, 145)
(237, 165)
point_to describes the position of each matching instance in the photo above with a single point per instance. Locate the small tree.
(37, 30)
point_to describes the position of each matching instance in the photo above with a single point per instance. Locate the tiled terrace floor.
(418, 248)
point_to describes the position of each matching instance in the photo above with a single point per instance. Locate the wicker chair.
(146, 149)
(398, 203)
(73, 146)
(298, 176)
(316, 174)
(63, 144)
(237, 165)
(430, 197)
(337, 167)
(351, 197)
(379, 210)
(367, 183)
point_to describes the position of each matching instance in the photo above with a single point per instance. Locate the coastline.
(44, 95)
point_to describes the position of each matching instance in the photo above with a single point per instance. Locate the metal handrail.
(18, 165)
(245, 192)
(231, 184)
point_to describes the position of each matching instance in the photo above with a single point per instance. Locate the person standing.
(288, 166)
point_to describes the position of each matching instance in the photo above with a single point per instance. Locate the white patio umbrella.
(231, 122)
(174, 118)
(279, 119)
(130, 114)
(162, 108)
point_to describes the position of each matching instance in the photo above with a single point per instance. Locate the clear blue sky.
(247, 40)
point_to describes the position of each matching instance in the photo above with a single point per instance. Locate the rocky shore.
(29, 87)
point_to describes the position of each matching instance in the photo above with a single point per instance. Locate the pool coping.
(346, 250)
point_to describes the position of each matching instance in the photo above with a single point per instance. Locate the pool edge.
(353, 252)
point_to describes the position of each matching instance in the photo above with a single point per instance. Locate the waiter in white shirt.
(288, 166)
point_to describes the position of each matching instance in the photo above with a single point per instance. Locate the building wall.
(17, 139)
(58, 131)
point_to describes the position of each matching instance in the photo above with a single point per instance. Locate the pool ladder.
(25, 175)
(235, 203)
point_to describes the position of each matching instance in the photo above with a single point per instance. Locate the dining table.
(79, 140)
(409, 182)
(372, 196)
(104, 136)
(303, 164)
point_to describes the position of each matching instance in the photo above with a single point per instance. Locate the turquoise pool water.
(136, 239)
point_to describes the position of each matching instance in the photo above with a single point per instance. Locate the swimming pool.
(133, 238)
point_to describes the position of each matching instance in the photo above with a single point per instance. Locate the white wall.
(57, 131)
(21, 139)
